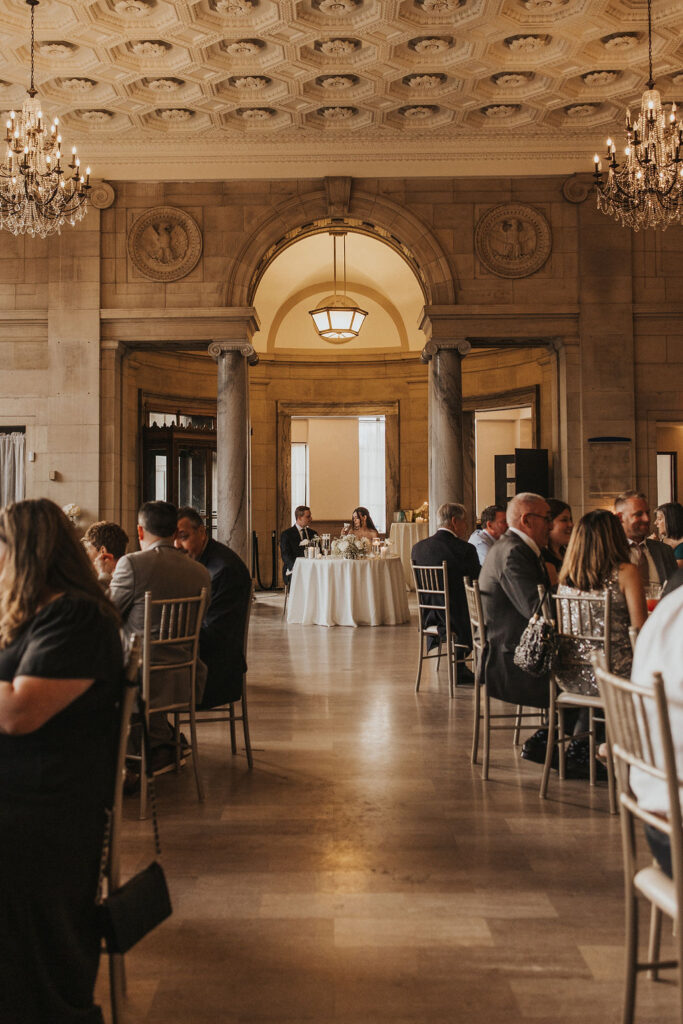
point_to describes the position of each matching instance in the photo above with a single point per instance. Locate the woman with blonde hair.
(60, 685)
(597, 559)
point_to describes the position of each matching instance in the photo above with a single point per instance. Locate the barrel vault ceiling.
(253, 88)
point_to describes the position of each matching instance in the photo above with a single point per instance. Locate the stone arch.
(313, 212)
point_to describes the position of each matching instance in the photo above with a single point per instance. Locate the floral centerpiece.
(72, 512)
(350, 547)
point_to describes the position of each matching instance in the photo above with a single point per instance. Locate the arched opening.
(377, 278)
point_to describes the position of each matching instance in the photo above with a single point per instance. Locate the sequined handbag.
(537, 648)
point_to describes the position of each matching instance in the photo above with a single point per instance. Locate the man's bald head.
(530, 513)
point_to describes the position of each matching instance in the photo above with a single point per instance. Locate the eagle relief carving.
(512, 240)
(165, 243)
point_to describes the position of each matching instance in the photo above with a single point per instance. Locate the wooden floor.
(363, 873)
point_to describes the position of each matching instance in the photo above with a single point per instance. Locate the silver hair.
(520, 504)
(450, 510)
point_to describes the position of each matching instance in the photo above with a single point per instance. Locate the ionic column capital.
(462, 346)
(219, 347)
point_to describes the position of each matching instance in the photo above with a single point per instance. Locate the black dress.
(54, 786)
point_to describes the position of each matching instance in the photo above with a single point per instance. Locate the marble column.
(233, 500)
(445, 422)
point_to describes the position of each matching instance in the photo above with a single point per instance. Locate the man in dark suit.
(655, 560)
(509, 593)
(291, 541)
(448, 545)
(221, 640)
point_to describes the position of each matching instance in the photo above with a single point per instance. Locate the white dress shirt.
(660, 649)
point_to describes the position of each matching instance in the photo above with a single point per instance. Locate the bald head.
(530, 513)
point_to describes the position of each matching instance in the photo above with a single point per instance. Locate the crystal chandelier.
(337, 319)
(646, 190)
(37, 196)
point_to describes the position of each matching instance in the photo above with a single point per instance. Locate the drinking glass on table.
(653, 592)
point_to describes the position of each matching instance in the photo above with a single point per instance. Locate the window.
(300, 481)
(12, 464)
(371, 469)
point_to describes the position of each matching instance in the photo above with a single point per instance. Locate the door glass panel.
(214, 491)
(192, 479)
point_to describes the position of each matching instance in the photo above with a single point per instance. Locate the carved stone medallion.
(513, 240)
(165, 243)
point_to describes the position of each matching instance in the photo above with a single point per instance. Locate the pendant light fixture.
(36, 195)
(646, 190)
(337, 319)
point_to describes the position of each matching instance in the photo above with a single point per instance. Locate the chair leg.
(233, 735)
(591, 747)
(518, 726)
(117, 986)
(284, 607)
(562, 746)
(654, 942)
(631, 952)
(143, 781)
(611, 780)
(550, 745)
(439, 656)
(419, 663)
(245, 726)
(451, 654)
(476, 722)
(195, 753)
(487, 735)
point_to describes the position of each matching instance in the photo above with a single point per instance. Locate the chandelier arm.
(651, 82)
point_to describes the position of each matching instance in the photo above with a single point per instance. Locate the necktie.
(642, 563)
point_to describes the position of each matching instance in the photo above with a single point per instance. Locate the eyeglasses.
(538, 515)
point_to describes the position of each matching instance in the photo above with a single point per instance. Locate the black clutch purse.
(133, 910)
(537, 648)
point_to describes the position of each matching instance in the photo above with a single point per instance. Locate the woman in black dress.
(558, 538)
(60, 686)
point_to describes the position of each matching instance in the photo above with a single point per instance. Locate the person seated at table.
(660, 649)
(448, 545)
(597, 560)
(222, 635)
(558, 538)
(493, 526)
(293, 542)
(105, 543)
(669, 527)
(361, 525)
(655, 560)
(61, 664)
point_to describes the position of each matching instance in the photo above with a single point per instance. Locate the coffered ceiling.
(243, 88)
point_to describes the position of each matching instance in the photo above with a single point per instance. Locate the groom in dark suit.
(509, 594)
(291, 546)
(448, 545)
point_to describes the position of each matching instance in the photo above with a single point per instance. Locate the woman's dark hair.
(44, 557)
(673, 519)
(360, 512)
(557, 507)
(596, 548)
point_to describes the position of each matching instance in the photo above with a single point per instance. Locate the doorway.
(669, 460)
(497, 432)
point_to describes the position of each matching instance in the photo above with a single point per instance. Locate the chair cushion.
(658, 888)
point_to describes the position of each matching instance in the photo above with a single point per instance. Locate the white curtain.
(299, 475)
(12, 468)
(371, 471)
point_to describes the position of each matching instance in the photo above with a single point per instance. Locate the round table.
(348, 592)
(402, 536)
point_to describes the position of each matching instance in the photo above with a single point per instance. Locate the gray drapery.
(12, 467)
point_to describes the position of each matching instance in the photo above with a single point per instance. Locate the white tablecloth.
(402, 536)
(348, 592)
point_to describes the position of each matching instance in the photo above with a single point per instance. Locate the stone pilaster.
(233, 441)
(445, 417)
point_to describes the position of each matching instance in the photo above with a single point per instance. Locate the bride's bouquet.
(350, 547)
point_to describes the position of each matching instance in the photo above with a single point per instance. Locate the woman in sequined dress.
(597, 559)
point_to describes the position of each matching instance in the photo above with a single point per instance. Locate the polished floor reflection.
(363, 873)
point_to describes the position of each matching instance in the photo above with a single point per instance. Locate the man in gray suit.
(168, 573)
(655, 560)
(509, 583)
